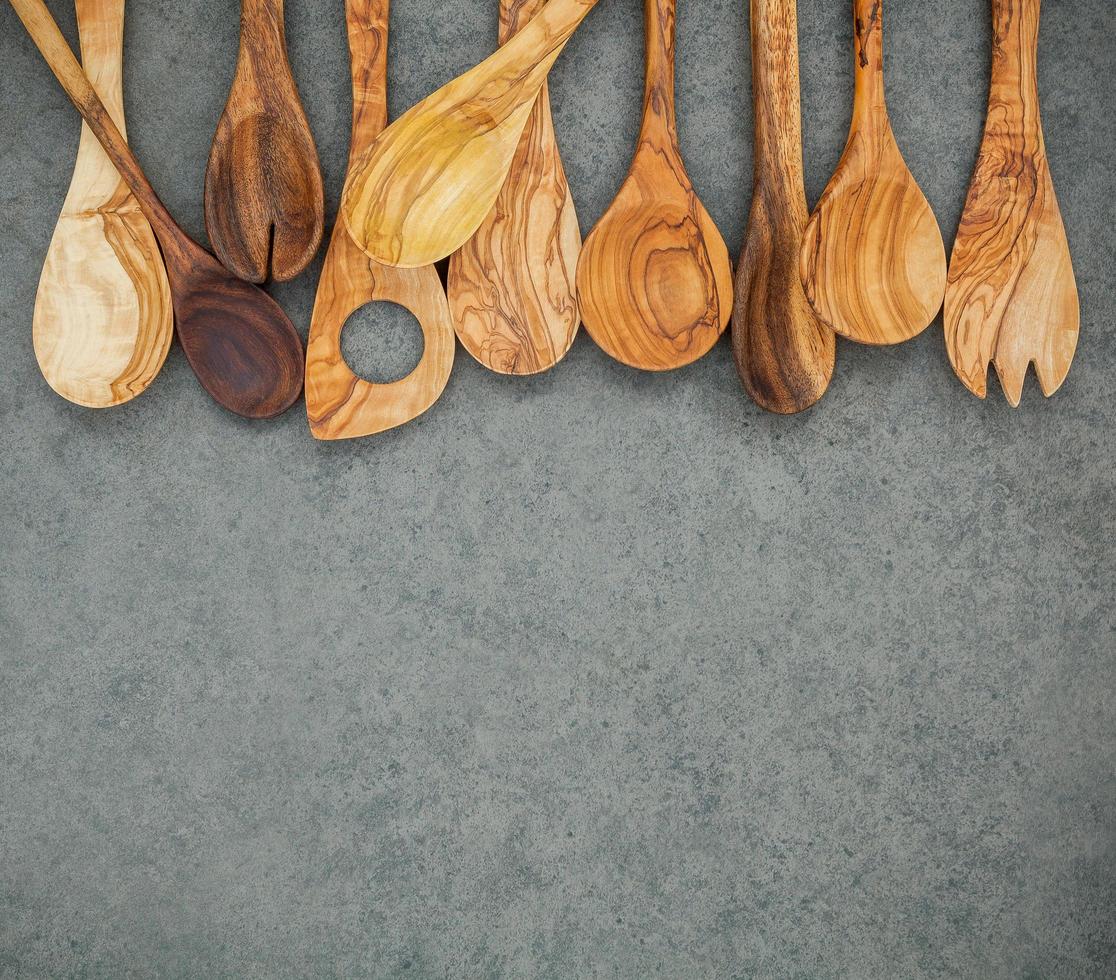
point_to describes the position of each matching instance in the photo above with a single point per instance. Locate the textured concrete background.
(596, 674)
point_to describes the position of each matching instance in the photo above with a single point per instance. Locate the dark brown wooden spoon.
(238, 341)
(264, 205)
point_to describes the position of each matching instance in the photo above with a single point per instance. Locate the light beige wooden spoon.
(339, 404)
(873, 261)
(425, 185)
(103, 319)
(511, 286)
(1012, 297)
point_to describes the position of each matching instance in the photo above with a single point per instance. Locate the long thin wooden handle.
(1015, 34)
(101, 34)
(868, 25)
(658, 84)
(367, 22)
(778, 104)
(54, 49)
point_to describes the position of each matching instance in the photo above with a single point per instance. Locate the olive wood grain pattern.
(1012, 297)
(238, 341)
(784, 353)
(340, 405)
(511, 286)
(873, 261)
(103, 321)
(654, 281)
(264, 203)
(421, 190)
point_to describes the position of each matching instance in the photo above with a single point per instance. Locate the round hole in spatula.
(382, 342)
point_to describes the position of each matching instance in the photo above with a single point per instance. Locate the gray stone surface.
(596, 674)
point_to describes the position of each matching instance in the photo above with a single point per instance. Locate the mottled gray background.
(594, 674)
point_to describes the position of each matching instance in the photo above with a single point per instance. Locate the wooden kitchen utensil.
(424, 186)
(1012, 297)
(654, 280)
(784, 353)
(264, 205)
(103, 321)
(873, 262)
(240, 344)
(340, 405)
(511, 286)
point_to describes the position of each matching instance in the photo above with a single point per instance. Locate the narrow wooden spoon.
(654, 280)
(264, 205)
(424, 186)
(784, 353)
(340, 405)
(103, 321)
(1012, 297)
(873, 262)
(511, 286)
(240, 344)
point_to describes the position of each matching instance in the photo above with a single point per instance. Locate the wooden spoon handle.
(367, 22)
(1015, 34)
(54, 49)
(101, 36)
(869, 99)
(515, 14)
(658, 85)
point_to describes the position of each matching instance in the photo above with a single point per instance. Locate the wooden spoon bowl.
(654, 280)
(873, 261)
(264, 202)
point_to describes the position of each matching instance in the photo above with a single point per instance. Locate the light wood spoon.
(103, 321)
(340, 405)
(873, 262)
(238, 341)
(1012, 297)
(654, 280)
(511, 286)
(784, 353)
(264, 204)
(421, 190)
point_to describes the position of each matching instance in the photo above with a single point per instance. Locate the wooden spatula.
(511, 286)
(783, 352)
(1012, 297)
(654, 280)
(240, 344)
(421, 190)
(873, 262)
(264, 205)
(103, 321)
(340, 405)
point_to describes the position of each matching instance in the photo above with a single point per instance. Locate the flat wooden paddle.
(511, 286)
(654, 280)
(1012, 297)
(873, 262)
(238, 341)
(264, 204)
(338, 403)
(103, 320)
(783, 351)
(420, 191)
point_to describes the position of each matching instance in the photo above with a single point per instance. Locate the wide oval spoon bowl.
(654, 280)
(873, 262)
(264, 201)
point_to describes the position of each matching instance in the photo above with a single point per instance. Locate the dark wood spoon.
(264, 204)
(238, 341)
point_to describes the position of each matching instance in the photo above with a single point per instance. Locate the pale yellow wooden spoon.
(103, 320)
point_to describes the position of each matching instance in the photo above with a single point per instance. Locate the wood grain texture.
(339, 405)
(654, 280)
(511, 286)
(784, 353)
(873, 261)
(1012, 297)
(264, 203)
(421, 190)
(103, 321)
(238, 341)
